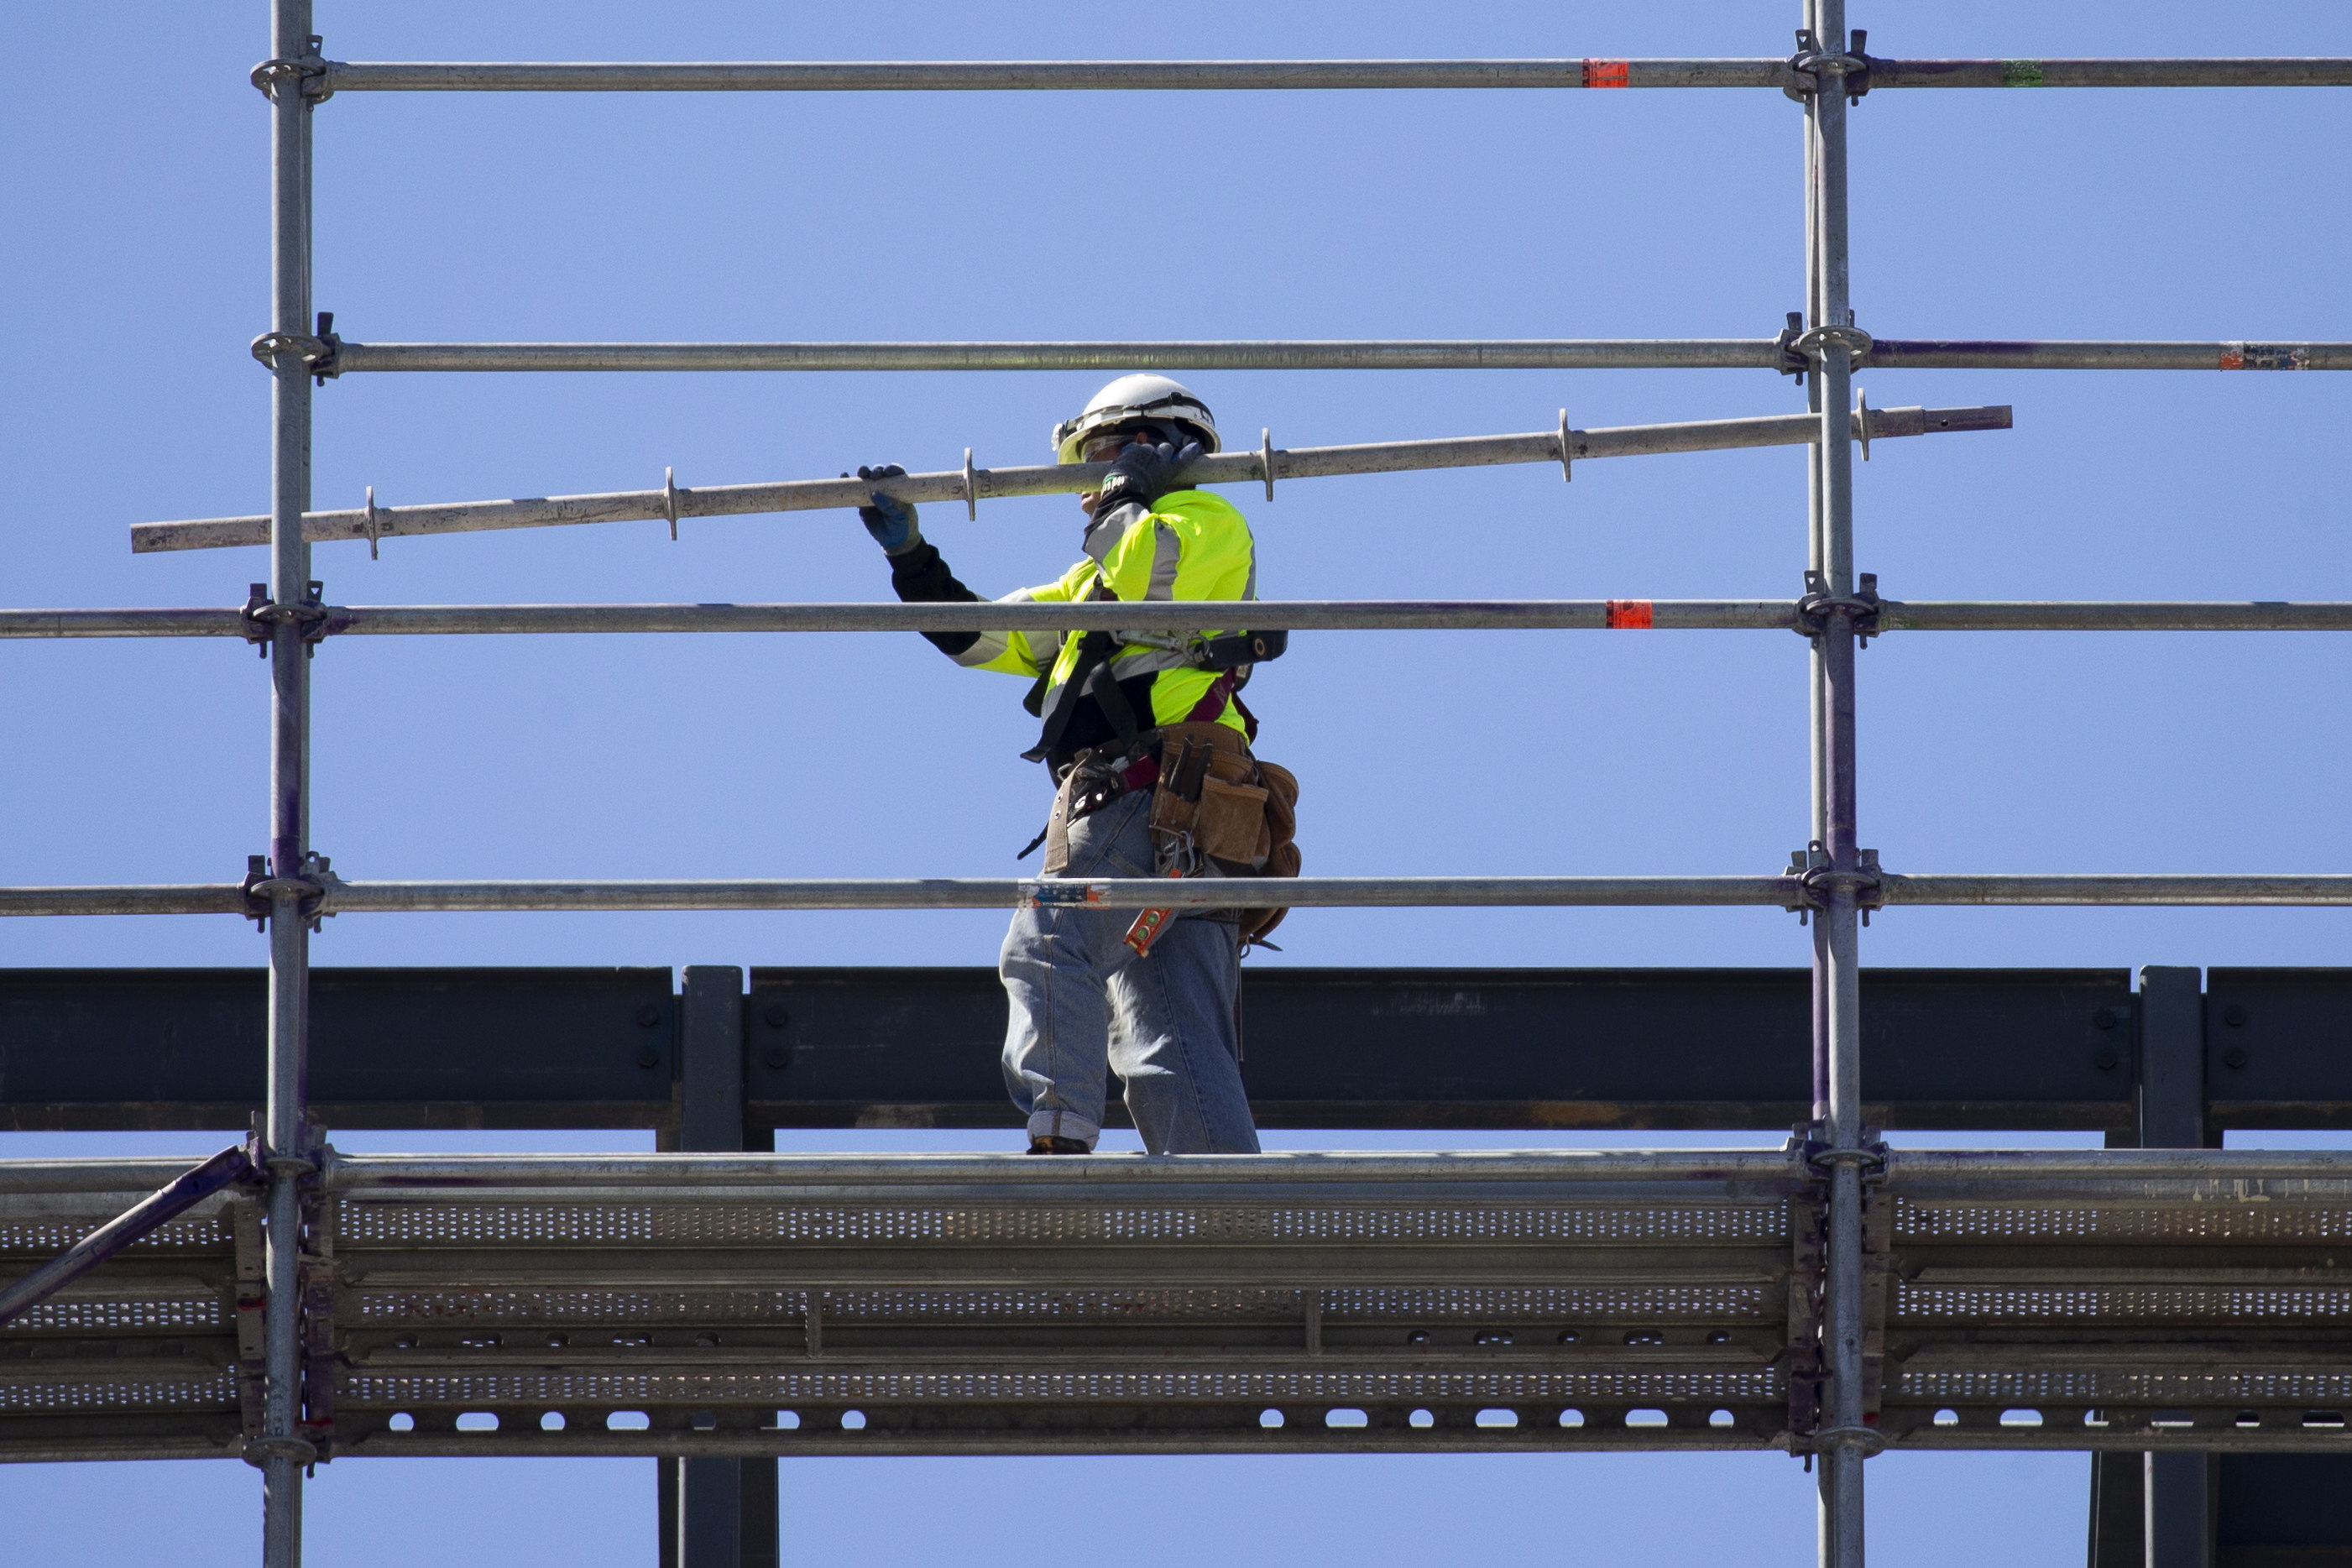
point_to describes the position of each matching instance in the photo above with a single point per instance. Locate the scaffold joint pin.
(307, 71)
(1868, 1439)
(1811, 618)
(1810, 62)
(1813, 876)
(1814, 341)
(317, 353)
(259, 1451)
(310, 885)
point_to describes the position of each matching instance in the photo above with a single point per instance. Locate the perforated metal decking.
(774, 1304)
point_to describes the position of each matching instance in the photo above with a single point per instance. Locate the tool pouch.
(1282, 860)
(1219, 812)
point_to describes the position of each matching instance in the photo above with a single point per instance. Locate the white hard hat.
(1134, 399)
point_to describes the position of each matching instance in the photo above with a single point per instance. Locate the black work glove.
(890, 520)
(1144, 473)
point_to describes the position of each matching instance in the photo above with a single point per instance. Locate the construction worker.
(1086, 995)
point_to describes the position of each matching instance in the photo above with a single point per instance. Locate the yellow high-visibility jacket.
(1191, 544)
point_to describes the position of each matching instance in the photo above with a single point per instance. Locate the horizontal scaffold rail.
(972, 486)
(2223, 890)
(1436, 354)
(1196, 614)
(1172, 76)
(1572, 1300)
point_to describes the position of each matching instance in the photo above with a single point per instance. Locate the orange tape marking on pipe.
(1632, 612)
(1604, 73)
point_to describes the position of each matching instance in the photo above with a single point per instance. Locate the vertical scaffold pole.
(1844, 1439)
(284, 1452)
(1817, 686)
(1818, 832)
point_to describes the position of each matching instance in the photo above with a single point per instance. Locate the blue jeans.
(1084, 1004)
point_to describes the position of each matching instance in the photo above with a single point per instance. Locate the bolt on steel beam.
(1227, 75)
(972, 486)
(1436, 354)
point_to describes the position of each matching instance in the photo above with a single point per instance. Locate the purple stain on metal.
(1885, 351)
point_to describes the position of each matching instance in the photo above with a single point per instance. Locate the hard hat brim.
(1189, 414)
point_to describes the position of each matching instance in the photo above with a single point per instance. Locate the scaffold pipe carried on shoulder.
(972, 486)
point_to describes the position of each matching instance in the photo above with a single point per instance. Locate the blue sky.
(138, 270)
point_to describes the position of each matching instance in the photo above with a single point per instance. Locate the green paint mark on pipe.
(2020, 73)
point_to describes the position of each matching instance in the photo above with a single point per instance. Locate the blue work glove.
(890, 520)
(1144, 473)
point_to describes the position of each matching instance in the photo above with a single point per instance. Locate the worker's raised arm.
(921, 577)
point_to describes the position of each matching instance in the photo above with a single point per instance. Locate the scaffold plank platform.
(748, 1305)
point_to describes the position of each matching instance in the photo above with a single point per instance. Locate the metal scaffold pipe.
(1434, 354)
(2220, 890)
(1195, 615)
(972, 486)
(1841, 1436)
(1995, 1175)
(1227, 75)
(2118, 889)
(284, 1448)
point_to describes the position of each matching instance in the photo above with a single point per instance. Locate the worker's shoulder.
(1201, 508)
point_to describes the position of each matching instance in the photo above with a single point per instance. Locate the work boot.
(1046, 1145)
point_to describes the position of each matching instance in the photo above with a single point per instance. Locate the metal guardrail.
(1194, 614)
(335, 897)
(1290, 76)
(1431, 353)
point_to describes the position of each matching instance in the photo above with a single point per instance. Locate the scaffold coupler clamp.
(1862, 607)
(1809, 344)
(1811, 62)
(1812, 876)
(313, 880)
(1791, 362)
(1822, 1159)
(262, 615)
(1869, 1440)
(319, 352)
(307, 73)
